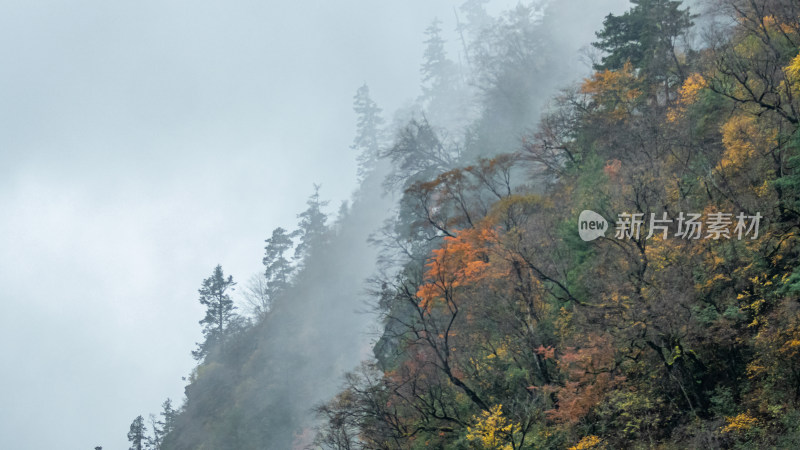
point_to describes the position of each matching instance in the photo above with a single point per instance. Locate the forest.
(493, 324)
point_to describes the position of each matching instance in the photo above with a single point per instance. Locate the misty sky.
(142, 143)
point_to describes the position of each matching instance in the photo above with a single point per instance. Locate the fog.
(141, 144)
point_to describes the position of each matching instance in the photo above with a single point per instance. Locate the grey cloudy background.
(142, 143)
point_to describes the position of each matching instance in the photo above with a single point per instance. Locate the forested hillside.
(501, 323)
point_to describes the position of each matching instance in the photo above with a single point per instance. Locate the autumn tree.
(755, 67)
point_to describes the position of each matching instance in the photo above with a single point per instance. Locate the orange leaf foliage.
(589, 377)
(461, 260)
(617, 91)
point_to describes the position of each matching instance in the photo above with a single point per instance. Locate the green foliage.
(645, 36)
(788, 184)
(312, 229)
(723, 403)
(220, 318)
(278, 269)
(137, 435)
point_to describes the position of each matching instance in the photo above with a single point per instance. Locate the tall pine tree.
(137, 435)
(278, 269)
(369, 131)
(220, 315)
(445, 96)
(162, 426)
(313, 230)
(646, 36)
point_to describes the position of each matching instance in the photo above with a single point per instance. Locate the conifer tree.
(312, 227)
(162, 426)
(278, 269)
(369, 131)
(220, 315)
(445, 96)
(436, 68)
(137, 435)
(646, 36)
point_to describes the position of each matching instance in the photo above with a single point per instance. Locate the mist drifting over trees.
(580, 231)
(314, 314)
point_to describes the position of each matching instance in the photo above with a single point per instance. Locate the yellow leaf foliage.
(587, 443)
(687, 95)
(744, 140)
(492, 430)
(740, 423)
(773, 25)
(793, 74)
(616, 90)
(691, 88)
